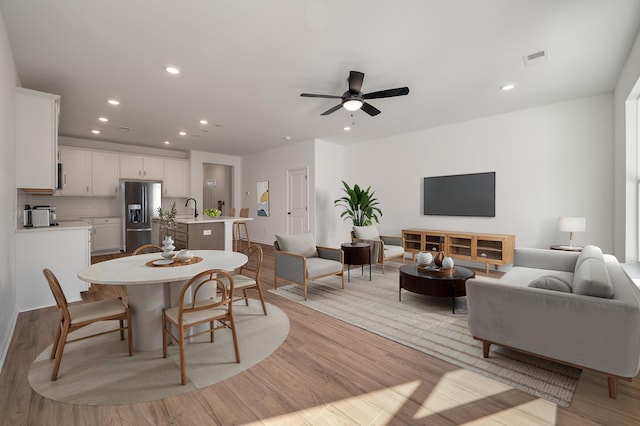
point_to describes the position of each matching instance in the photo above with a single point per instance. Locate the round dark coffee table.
(437, 284)
(357, 254)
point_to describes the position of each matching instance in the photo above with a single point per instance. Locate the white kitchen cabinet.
(105, 174)
(76, 171)
(36, 137)
(63, 250)
(176, 178)
(139, 167)
(107, 235)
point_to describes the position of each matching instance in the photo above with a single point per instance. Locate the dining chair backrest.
(254, 261)
(232, 211)
(58, 294)
(244, 212)
(147, 248)
(223, 298)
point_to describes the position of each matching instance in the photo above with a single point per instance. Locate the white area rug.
(99, 371)
(428, 325)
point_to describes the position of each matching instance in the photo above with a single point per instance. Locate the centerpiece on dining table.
(167, 225)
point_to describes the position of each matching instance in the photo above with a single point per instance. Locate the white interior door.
(297, 201)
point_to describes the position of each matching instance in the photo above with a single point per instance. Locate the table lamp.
(571, 225)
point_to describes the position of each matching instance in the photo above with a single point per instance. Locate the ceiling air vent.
(536, 58)
(124, 128)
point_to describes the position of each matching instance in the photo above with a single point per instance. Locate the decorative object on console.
(571, 225)
(359, 205)
(447, 263)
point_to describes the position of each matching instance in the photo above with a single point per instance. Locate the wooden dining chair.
(147, 248)
(73, 317)
(248, 276)
(217, 312)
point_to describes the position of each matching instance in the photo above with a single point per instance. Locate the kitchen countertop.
(207, 219)
(62, 226)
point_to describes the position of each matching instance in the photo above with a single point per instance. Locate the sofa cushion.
(317, 267)
(303, 244)
(369, 232)
(589, 252)
(592, 279)
(551, 282)
(521, 276)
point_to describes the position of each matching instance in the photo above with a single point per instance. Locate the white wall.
(272, 165)
(8, 82)
(551, 161)
(329, 160)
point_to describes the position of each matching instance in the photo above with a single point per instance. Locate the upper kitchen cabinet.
(176, 178)
(36, 115)
(138, 167)
(105, 173)
(76, 171)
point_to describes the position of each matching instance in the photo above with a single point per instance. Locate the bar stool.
(244, 212)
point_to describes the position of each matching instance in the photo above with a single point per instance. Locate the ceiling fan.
(353, 99)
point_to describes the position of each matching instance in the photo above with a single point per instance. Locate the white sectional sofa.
(579, 309)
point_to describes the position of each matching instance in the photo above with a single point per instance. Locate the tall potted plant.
(359, 205)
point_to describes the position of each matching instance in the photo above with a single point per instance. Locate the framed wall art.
(263, 198)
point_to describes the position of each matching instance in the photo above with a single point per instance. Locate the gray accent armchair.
(298, 260)
(383, 249)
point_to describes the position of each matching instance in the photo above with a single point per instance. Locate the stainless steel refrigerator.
(140, 202)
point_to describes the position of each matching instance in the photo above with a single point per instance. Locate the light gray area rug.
(428, 325)
(99, 371)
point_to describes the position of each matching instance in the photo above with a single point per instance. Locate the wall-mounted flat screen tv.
(460, 195)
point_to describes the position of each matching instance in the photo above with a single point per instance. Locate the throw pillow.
(588, 252)
(303, 244)
(551, 282)
(592, 279)
(366, 232)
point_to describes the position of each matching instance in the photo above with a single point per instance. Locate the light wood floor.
(326, 372)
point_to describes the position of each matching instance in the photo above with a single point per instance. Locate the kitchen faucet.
(195, 206)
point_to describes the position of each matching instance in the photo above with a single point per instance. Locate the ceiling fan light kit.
(353, 99)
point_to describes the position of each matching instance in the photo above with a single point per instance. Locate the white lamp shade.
(572, 224)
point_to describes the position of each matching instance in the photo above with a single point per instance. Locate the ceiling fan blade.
(334, 109)
(311, 95)
(370, 109)
(400, 91)
(355, 82)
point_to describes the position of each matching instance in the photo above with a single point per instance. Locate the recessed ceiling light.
(103, 119)
(167, 142)
(95, 132)
(347, 128)
(507, 87)
(204, 122)
(287, 138)
(182, 133)
(114, 102)
(172, 70)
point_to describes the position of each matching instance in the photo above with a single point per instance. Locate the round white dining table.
(152, 288)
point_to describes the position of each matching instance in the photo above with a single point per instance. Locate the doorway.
(217, 184)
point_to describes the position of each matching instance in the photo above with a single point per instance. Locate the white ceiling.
(245, 63)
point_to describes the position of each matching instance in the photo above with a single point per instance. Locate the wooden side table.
(565, 248)
(357, 254)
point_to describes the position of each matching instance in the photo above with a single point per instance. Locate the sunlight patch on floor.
(373, 408)
(459, 387)
(535, 413)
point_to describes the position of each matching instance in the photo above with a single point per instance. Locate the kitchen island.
(205, 233)
(65, 249)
